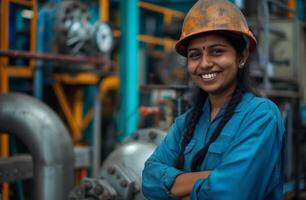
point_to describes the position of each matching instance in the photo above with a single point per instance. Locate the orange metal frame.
(169, 14)
(104, 8)
(292, 5)
(6, 71)
(74, 113)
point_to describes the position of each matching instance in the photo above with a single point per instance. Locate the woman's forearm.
(183, 183)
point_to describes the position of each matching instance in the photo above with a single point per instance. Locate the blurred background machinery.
(108, 69)
(75, 34)
(120, 175)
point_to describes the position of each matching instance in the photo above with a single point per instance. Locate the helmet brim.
(181, 45)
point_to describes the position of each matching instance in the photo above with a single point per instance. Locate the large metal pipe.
(47, 139)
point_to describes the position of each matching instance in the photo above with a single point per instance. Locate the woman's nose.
(206, 61)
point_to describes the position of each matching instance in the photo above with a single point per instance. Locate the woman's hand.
(183, 183)
(186, 198)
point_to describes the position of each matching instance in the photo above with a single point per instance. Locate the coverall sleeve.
(159, 174)
(247, 167)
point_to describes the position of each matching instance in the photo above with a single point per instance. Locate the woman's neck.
(219, 100)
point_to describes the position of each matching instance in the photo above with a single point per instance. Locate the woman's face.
(213, 64)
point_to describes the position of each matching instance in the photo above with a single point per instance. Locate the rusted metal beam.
(55, 57)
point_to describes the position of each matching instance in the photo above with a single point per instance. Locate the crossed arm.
(183, 183)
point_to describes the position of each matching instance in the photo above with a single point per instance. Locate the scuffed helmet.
(213, 15)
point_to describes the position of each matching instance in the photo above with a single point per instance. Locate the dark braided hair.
(239, 43)
(196, 113)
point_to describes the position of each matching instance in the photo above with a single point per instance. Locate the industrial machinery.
(75, 34)
(120, 175)
(70, 27)
(63, 28)
(287, 48)
(76, 30)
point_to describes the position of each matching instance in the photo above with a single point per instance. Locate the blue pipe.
(40, 47)
(129, 26)
(11, 30)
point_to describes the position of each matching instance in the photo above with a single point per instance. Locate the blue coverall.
(245, 160)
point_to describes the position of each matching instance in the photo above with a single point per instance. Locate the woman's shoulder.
(255, 108)
(181, 119)
(253, 104)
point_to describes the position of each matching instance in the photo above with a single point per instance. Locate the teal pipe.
(300, 9)
(239, 3)
(129, 26)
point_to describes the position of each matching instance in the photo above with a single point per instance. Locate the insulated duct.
(47, 139)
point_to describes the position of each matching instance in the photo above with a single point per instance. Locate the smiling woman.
(212, 64)
(228, 146)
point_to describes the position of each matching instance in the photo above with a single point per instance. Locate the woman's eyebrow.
(208, 46)
(194, 49)
(216, 45)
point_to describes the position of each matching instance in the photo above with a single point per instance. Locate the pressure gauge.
(103, 37)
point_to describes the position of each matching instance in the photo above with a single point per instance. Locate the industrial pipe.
(55, 57)
(47, 139)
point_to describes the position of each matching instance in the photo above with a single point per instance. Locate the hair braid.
(192, 122)
(234, 101)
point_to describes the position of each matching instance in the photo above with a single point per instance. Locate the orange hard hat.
(213, 15)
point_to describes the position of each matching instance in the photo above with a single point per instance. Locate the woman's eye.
(216, 51)
(193, 55)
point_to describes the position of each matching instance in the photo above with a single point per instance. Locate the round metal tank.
(123, 167)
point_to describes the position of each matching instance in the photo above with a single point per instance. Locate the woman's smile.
(209, 77)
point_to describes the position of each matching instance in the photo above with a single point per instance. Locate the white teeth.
(209, 76)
